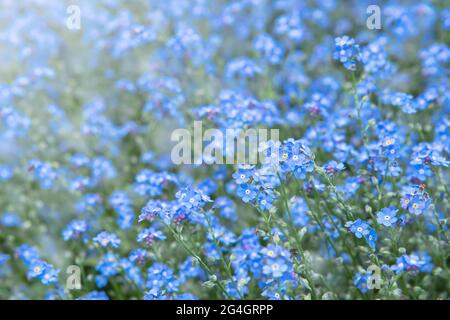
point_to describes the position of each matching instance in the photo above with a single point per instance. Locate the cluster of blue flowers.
(36, 267)
(351, 202)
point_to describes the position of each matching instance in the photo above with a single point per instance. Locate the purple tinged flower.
(419, 172)
(405, 201)
(149, 235)
(415, 262)
(415, 199)
(428, 154)
(149, 212)
(333, 167)
(75, 229)
(416, 206)
(138, 255)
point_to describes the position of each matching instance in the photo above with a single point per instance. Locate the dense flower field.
(350, 203)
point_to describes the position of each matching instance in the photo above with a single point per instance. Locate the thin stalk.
(297, 239)
(197, 257)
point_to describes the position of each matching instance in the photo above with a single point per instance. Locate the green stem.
(358, 110)
(204, 266)
(297, 239)
(222, 258)
(381, 187)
